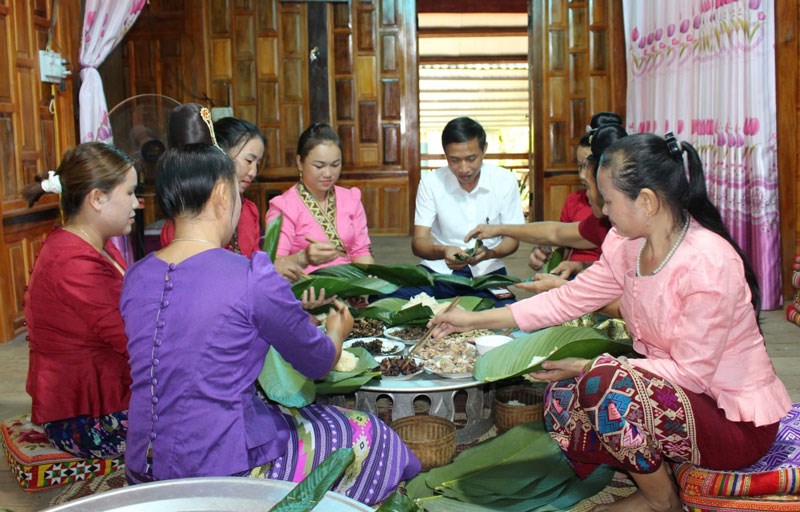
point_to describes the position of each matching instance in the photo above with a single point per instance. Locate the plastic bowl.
(487, 343)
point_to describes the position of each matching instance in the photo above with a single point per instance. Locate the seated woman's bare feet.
(638, 502)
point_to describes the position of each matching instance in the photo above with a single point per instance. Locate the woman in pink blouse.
(705, 390)
(323, 224)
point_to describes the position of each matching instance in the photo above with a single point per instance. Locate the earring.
(647, 220)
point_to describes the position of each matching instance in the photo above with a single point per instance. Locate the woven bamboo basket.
(509, 416)
(431, 438)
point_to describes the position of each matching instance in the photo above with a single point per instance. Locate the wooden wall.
(31, 139)
(581, 48)
(787, 50)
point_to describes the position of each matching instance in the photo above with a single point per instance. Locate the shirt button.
(165, 304)
(169, 286)
(158, 342)
(155, 417)
(155, 362)
(154, 381)
(160, 324)
(171, 267)
(154, 400)
(152, 435)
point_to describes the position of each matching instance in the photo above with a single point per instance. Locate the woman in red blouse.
(78, 375)
(245, 144)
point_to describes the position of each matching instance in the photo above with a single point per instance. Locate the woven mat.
(620, 487)
(96, 485)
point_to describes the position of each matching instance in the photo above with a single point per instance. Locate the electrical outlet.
(52, 68)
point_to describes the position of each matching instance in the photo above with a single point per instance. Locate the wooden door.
(31, 139)
(574, 73)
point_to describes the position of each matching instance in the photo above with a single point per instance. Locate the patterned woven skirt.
(88, 437)
(632, 419)
(382, 459)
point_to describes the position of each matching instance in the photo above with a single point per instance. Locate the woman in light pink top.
(323, 224)
(704, 390)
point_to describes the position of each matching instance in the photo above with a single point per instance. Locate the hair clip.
(591, 136)
(52, 183)
(672, 145)
(205, 114)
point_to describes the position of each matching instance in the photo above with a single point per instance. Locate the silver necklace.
(194, 240)
(669, 254)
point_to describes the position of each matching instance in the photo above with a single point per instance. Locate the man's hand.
(483, 231)
(453, 261)
(567, 269)
(483, 253)
(542, 283)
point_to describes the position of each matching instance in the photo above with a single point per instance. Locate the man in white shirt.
(454, 199)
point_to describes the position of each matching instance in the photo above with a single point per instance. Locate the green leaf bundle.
(389, 310)
(344, 287)
(401, 275)
(556, 257)
(310, 491)
(283, 384)
(478, 283)
(527, 353)
(271, 237)
(398, 502)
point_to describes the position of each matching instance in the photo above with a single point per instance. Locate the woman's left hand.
(562, 369)
(311, 300)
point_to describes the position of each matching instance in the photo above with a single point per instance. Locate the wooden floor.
(783, 343)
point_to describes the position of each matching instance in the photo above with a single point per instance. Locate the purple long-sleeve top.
(198, 333)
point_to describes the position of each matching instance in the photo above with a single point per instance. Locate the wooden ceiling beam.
(472, 6)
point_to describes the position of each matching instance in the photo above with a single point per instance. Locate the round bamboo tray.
(431, 438)
(509, 416)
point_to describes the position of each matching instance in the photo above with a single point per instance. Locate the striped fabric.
(772, 483)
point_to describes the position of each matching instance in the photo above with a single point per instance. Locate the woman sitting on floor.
(200, 321)
(705, 391)
(323, 224)
(78, 375)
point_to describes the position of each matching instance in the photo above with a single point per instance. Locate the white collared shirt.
(451, 212)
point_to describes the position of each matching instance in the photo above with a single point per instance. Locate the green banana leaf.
(526, 354)
(389, 310)
(283, 384)
(556, 257)
(344, 287)
(365, 363)
(271, 237)
(401, 275)
(478, 283)
(307, 494)
(398, 502)
(470, 252)
(350, 385)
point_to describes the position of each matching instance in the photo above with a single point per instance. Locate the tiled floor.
(783, 343)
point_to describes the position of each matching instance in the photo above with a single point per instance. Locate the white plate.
(436, 371)
(389, 333)
(388, 347)
(401, 377)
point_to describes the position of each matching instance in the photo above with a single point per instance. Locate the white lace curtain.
(705, 69)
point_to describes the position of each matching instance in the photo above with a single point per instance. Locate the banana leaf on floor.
(478, 283)
(521, 470)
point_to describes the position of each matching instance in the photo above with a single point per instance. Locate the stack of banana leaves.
(285, 385)
(521, 470)
(356, 279)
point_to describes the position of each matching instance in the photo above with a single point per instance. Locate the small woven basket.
(509, 416)
(431, 438)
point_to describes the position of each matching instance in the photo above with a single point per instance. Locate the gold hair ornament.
(205, 114)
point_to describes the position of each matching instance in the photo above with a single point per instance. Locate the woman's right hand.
(339, 322)
(319, 253)
(457, 320)
(311, 300)
(483, 231)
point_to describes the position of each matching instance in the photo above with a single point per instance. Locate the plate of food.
(399, 367)
(409, 334)
(376, 346)
(449, 367)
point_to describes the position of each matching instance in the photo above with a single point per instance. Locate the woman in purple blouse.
(200, 321)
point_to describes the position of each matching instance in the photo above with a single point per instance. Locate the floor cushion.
(37, 465)
(772, 483)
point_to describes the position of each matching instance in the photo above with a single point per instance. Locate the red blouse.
(594, 229)
(78, 348)
(576, 208)
(248, 230)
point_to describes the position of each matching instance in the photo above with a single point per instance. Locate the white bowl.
(487, 343)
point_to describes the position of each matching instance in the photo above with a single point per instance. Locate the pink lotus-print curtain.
(105, 23)
(705, 69)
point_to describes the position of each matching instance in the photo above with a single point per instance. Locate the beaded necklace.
(669, 254)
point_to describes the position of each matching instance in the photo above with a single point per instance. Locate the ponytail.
(707, 215)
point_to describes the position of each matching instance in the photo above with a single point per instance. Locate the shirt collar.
(454, 186)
